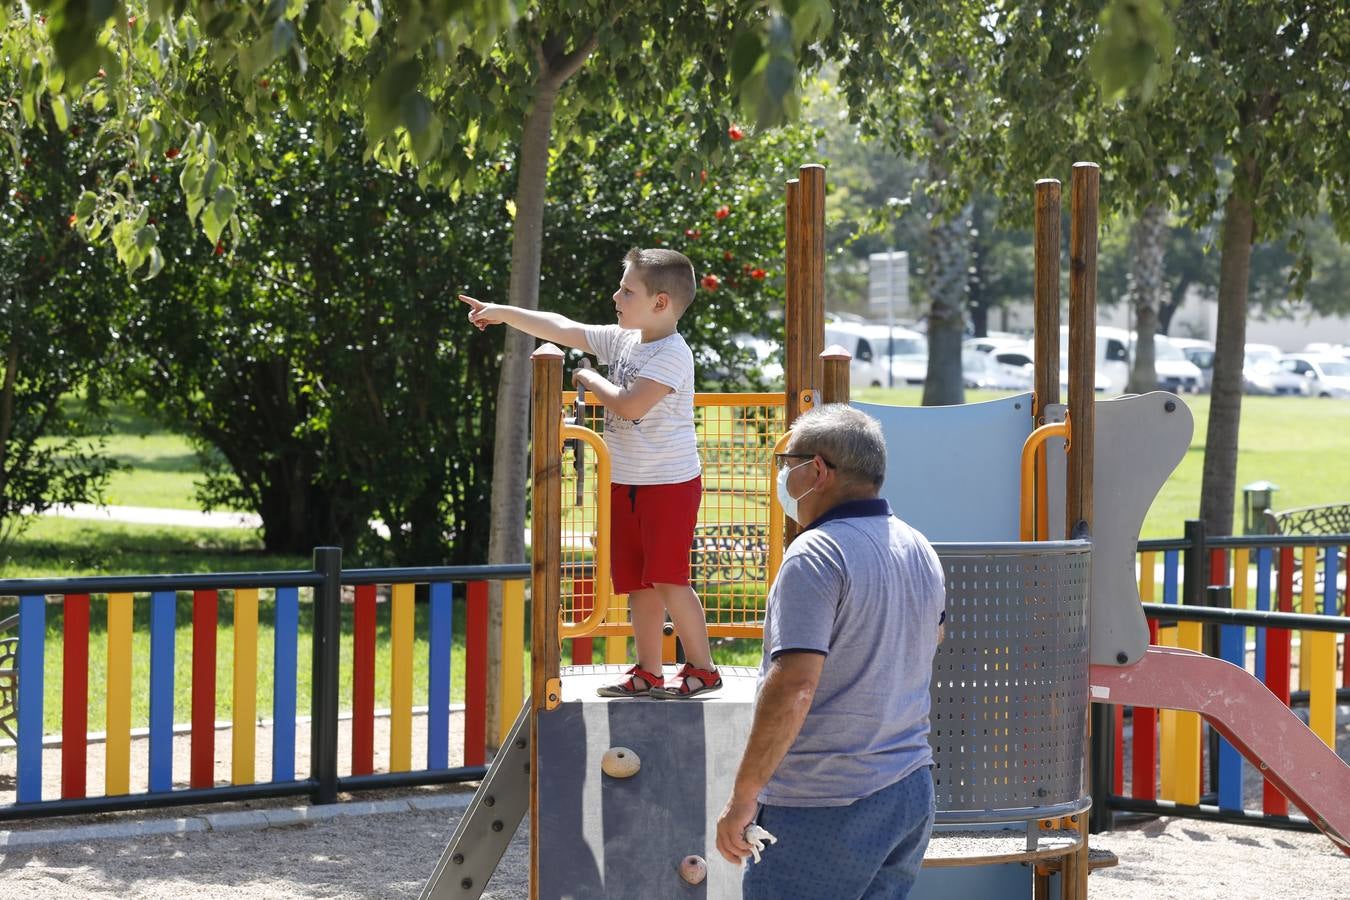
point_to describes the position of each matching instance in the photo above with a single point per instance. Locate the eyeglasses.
(784, 460)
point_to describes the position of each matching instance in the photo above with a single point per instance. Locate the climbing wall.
(601, 836)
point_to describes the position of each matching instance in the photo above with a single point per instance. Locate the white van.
(1113, 357)
(870, 345)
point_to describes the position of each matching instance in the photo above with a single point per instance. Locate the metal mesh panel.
(730, 551)
(1010, 682)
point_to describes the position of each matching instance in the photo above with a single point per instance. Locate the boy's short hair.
(664, 272)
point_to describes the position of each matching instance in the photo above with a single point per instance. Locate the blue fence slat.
(286, 632)
(32, 649)
(1263, 565)
(163, 608)
(1330, 566)
(1171, 581)
(438, 674)
(1232, 639)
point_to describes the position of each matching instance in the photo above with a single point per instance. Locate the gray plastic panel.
(953, 472)
(1140, 440)
(1010, 682)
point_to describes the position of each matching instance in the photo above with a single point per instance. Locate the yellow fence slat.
(117, 763)
(1240, 574)
(513, 657)
(1147, 577)
(400, 688)
(245, 730)
(1167, 732)
(1322, 687)
(1190, 636)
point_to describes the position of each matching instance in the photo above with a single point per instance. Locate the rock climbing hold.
(693, 869)
(620, 762)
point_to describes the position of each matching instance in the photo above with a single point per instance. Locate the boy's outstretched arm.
(544, 325)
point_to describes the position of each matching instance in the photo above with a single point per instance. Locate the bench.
(9, 676)
(1326, 518)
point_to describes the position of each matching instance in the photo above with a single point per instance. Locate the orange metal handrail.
(1027, 529)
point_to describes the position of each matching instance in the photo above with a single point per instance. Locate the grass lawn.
(162, 468)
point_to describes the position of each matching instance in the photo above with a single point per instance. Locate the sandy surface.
(391, 856)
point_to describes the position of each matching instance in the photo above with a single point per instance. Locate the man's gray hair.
(849, 439)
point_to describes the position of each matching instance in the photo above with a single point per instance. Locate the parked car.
(1263, 374)
(870, 345)
(1201, 355)
(1325, 375)
(983, 369)
(1175, 372)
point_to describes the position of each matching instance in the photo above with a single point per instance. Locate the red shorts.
(652, 530)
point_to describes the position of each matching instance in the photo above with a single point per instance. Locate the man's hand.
(731, 825)
(482, 314)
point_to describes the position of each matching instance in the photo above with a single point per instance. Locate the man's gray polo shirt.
(866, 590)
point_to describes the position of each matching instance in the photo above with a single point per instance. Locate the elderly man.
(837, 765)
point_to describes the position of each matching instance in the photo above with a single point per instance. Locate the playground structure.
(1006, 490)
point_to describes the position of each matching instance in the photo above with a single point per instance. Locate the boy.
(656, 472)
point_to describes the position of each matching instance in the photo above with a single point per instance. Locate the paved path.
(152, 515)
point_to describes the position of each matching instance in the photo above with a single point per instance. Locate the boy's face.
(634, 305)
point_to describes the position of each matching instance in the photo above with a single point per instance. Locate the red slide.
(1253, 720)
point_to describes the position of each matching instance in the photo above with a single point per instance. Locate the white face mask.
(788, 501)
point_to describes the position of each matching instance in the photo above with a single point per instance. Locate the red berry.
(746, 267)
(172, 153)
(264, 83)
(726, 255)
(758, 274)
(72, 220)
(637, 174)
(723, 211)
(735, 133)
(710, 282)
(703, 175)
(220, 248)
(693, 233)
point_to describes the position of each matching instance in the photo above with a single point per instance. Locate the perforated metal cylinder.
(1010, 682)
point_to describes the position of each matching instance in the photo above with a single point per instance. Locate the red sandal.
(638, 683)
(680, 689)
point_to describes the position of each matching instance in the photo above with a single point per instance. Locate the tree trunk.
(1147, 290)
(947, 278)
(510, 457)
(1218, 485)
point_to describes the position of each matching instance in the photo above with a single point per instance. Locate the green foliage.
(437, 86)
(62, 306)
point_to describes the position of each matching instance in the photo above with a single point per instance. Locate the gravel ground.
(392, 855)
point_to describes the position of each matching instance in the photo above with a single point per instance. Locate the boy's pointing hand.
(481, 314)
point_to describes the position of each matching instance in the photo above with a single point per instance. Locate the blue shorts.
(871, 848)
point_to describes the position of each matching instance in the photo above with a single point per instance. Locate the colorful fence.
(360, 633)
(1282, 616)
(347, 630)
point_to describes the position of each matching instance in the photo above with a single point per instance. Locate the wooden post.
(1082, 346)
(811, 257)
(834, 385)
(1046, 353)
(793, 374)
(546, 555)
(1082, 382)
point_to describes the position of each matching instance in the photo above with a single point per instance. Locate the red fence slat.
(475, 674)
(1277, 668)
(75, 697)
(363, 681)
(1144, 761)
(202, 773)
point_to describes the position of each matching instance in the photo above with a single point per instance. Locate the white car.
(1201, 355)
(981, 369)
(1326, 376)
(871, 345)
(1263, 374)
(1175, 372)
